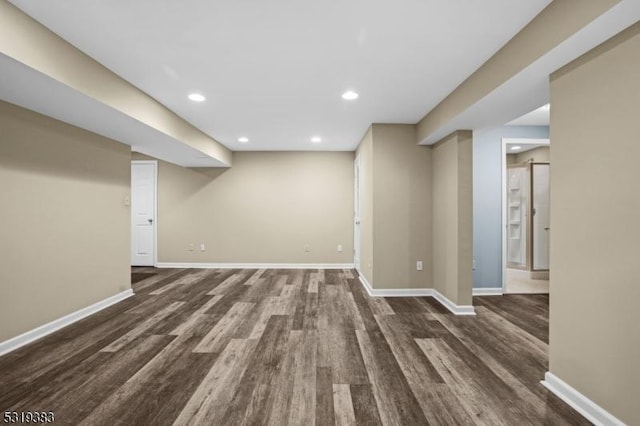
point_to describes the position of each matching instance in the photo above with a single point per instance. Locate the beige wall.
(538, 155)
(402, 208)
(263, 210)
(29, 42)
(364, 154)
(595, 290)
(556, 23)
(452, 217)
(64, 228)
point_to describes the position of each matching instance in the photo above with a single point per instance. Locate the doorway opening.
(356, 213)
(144, 177)
(525, 215)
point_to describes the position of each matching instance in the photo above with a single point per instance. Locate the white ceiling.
(529, 89)
(537, 117)
(523, 147)
(274, 71)
(24, 86)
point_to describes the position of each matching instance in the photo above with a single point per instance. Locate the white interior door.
(541, 226)
(143, 212)
(356, 223)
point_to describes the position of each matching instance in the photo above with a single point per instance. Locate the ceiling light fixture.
(316, 139)
(350, 95)
(196, 97)
(516, 148)
(243, 139)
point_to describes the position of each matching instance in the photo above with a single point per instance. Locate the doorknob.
(546, 228)
(150, 221)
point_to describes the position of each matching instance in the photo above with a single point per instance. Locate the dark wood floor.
(288, 347)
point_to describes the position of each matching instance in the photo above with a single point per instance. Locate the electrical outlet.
(191, 247)
(307, 248)
(419, 265)
(339, 248)
(202, 247)
(473, 267)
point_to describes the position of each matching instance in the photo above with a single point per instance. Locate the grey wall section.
(265, 209)
(594, 338)
(452, 217)
(64, 227)
(487, 199)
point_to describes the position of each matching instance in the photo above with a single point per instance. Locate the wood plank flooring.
(296, 347)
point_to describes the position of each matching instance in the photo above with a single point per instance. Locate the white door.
(356, 225)
(541, 226)
(143, 212)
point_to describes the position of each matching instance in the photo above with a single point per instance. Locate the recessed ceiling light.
(516, 148)
(316, 139)
(196, 97)
(243, 139)
(350, 95)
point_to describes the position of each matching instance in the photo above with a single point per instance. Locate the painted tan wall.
(29, 42)
(594, 337)
(263, 210)
(402, 208)
(538, 155)
(64, 228)
(452, 217)
(556, 23)
(365, 155)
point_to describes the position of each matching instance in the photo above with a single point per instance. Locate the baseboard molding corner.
(255, 265)
(456, 309)
(488, 291)
(365, 283)
(576, 400)
(44, 330)
(417, 292)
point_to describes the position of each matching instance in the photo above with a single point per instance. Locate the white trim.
(503, 224)
(365, 283)
(417, 292)
(583, 405)
(488, 291)
(356, 212)
(255, 265)
(155, 206)
(456, 309)
(55, 325)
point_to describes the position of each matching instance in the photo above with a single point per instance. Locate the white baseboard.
(256, 265)
(583, 405)
(488, 291)
(417, 292)
(55, 325)
(456, 309)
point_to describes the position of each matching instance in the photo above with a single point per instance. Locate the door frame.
(356, 213)
(503, 223)
(155, 208)
(531, 244)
